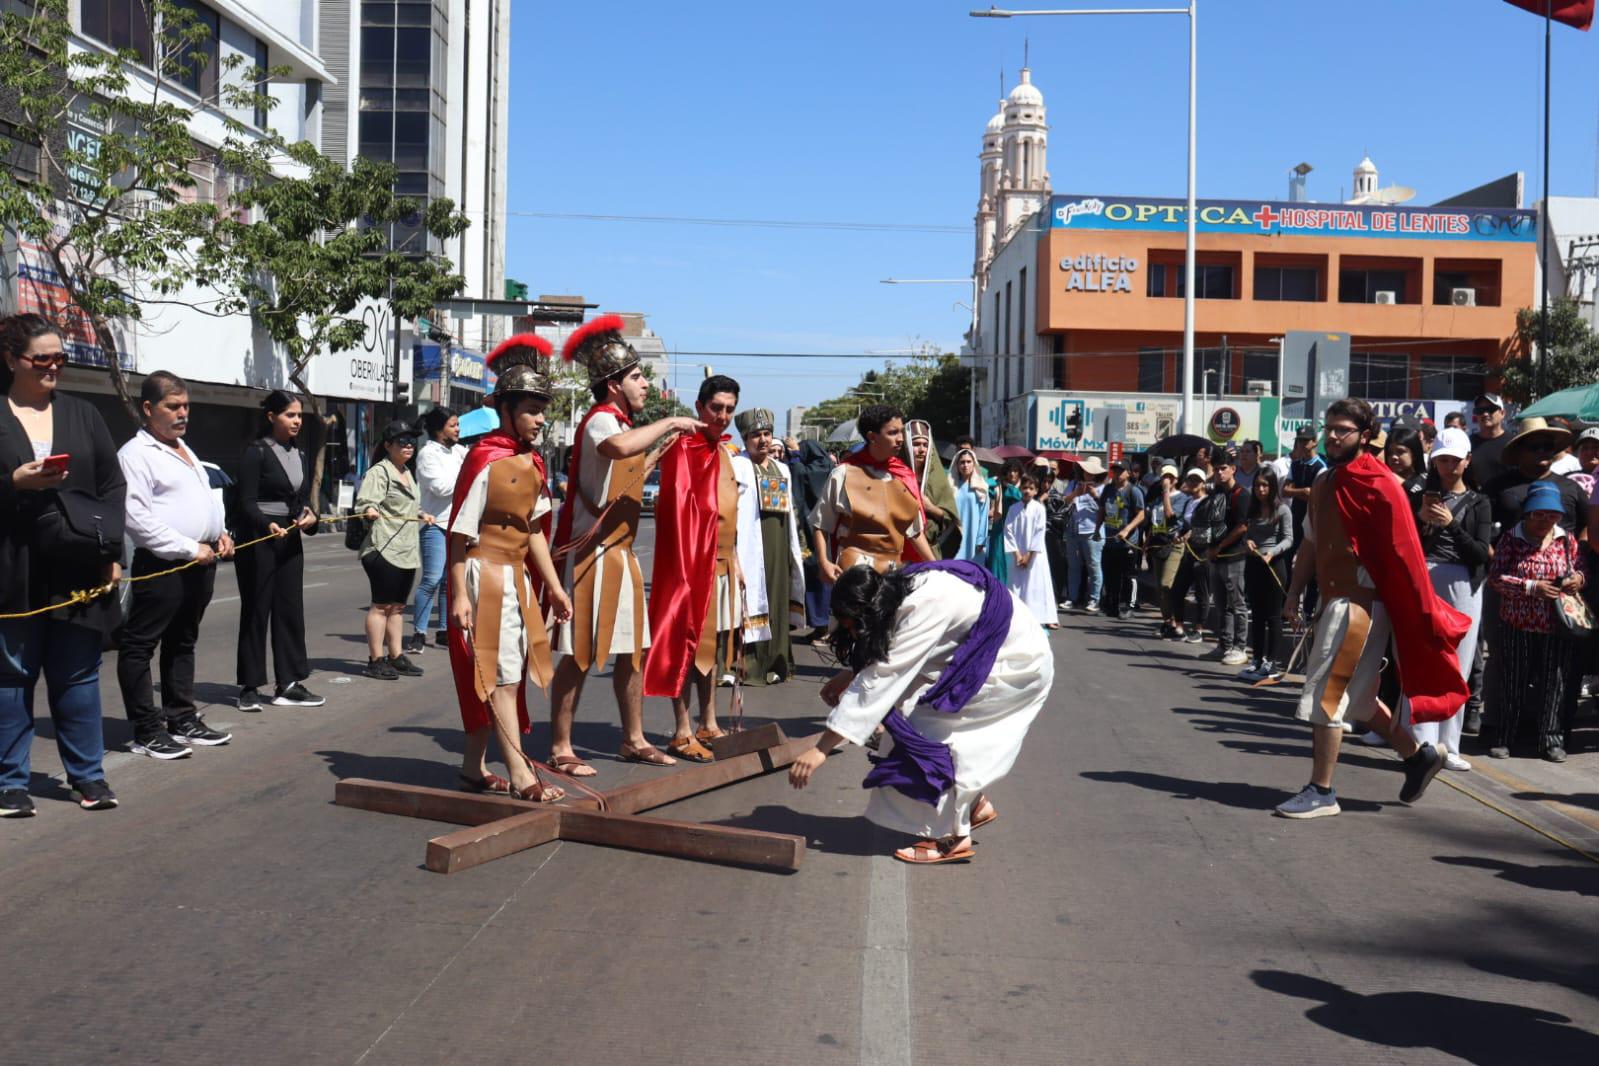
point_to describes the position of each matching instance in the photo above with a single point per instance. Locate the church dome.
(1366, 166)
(996, 125)
(1026, 94)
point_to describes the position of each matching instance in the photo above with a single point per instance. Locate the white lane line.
(886, 967)
(226, 599)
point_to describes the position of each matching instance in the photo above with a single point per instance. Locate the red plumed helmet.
(539, 345)
(586, 333)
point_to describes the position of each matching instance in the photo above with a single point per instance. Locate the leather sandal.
(932, 852)
(539, 792)
(705, 736)
(649, 755)
(691, 749)
(569, 765)
(489, 784)
(983, 819)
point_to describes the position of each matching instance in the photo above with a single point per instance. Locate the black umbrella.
(1179, 444)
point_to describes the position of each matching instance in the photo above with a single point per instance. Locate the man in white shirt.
(172, 518)
(438, 465)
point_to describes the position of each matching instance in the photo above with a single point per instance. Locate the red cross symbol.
(1266, 216)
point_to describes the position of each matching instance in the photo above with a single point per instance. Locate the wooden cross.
(501, 825)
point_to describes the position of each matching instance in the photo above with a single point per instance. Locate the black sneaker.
(297, 695)
(249, 699)
(442, 638)
(195, 731)
(159, 746)
(1472, 726)
(415, 644)
(380, 670)
(16, 803)
(404, 666)
(95, 795)
(1420, 769)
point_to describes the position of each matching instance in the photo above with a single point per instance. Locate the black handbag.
(354, 532)
(77, 527)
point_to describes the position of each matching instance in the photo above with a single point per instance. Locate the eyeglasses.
(1483, 410)
(45, 362)
(1342, 431)
(1540, 446)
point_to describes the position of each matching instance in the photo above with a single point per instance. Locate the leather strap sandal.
(932, 852)
(983, 812)
(649, 755)
(571, 765)
(539, 792)
(705, 736)
(691, 749)
(491, 784)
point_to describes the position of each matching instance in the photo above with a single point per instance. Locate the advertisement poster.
(1076, 421)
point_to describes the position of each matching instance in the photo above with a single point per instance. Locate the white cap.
(1169, 470)
(1452, 441)
(1588, 434)
(1195, 472)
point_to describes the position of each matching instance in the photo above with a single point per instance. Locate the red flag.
(1578, 13)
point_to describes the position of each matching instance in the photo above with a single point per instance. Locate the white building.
(793, 423)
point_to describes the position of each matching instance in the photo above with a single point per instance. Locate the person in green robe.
(770, 662)
(1009, 495)
(938, 494)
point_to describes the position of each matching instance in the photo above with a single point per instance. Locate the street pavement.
(1134, 903)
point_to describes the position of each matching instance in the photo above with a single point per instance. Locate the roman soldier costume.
(870, 511)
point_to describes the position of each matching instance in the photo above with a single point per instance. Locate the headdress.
(523, 365)
(599, 346)
(755, 420)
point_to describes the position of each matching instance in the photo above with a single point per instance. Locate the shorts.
(1345, 663)
(388, 582)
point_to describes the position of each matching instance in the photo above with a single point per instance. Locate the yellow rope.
(94, 593)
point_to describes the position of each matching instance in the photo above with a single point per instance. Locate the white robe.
(1024, 532)
(796, 617)
(984, 737)
(751, 555)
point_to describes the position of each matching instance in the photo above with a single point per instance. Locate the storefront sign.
(467, 369)
(1225, 424)
(1080, 421)
(1099, 273)
(1260, 217)
(365, 372)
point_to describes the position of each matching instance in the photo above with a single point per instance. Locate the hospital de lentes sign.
(1265, 218)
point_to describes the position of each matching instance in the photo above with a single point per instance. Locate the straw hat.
(1535, 429)
(1092, 466)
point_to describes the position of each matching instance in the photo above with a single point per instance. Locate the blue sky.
(872, 112)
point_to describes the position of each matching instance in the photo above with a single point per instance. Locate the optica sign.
(1268, 218)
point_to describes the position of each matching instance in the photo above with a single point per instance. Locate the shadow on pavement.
(393, 768)
(1576, 799)
(43, 786)
(1237, 794)
(1347, 756)
(1579, 976)
(837, 836)
(1472, 1030)
(1583, 880)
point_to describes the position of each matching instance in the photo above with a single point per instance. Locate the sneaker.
(1499, 752)
(95, 795)
(159, 746)
(1472, 725)
(195, 731)
(297, 695)
(1235, 657)
(1555, 755)
(1253, 672)
(1455, 763)
(16, 803)
(380, 670)
(1093, 606)
(1064, 605)
(1271, 672)
(249, 699)
(1373, 739)
(441, 638)
(1420, 769)
(1310, 804)
(415, 644)
(404, 666)
(1194, 637)
(725, 681)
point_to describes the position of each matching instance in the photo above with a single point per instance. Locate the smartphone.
(1431, 499)
(56, 463)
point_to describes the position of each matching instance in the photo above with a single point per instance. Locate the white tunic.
(1033, 583)
(751, 555)
(512, 663)
(984, 737)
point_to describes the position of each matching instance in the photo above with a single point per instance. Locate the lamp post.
(1192, 11)
(971, 337)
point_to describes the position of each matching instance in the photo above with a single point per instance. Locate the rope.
(87, 595)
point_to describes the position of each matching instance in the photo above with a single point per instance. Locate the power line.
(763, 223)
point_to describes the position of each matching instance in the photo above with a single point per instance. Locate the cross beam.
(501, 825)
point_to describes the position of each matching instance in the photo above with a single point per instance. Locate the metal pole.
(1543, 233)
(1188, 251)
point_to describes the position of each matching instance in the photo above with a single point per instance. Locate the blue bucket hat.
(1543, 496)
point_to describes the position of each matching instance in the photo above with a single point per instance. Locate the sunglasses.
(45, 362)
(1483, 410)
(1540, 446)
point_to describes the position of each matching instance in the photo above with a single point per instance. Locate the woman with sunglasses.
(61, 500)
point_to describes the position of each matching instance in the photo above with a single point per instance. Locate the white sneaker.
(1373, 739)
(1235, 657)
(1093, 607)
(1455, 763)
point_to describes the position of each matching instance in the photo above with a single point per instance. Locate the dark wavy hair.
(1259, 508)
(16, 333)
(870, 600)
(1410, 440)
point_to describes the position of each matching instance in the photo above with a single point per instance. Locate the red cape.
(563, 528)
(684, 575)
(496, 445)
(1427, 631)
(901, 472)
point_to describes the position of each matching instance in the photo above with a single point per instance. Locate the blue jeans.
(69, 657)
(429, 578)
(1083, 559)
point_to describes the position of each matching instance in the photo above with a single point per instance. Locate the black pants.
(1120, 564)
(1232, 631)
(165, 611)
(1200, 575)
(1265, 607)
(272, 599)
(1533, 671)
(1059, 568)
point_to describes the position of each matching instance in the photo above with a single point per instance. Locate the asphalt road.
(1134, 903)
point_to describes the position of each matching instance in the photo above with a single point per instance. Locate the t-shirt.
(1085, 509)
(1121, 505)
(1181, 505)
(587, 497)
(1302, 474)
(1486, 457)
(1508, 493)
(1245, 479)
(1058, 509)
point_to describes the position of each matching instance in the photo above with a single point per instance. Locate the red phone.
(56, 463)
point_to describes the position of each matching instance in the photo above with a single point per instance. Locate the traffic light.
(402, 392)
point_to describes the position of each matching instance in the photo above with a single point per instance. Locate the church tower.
(989, 160)
(1024, 171)
(1365, 180)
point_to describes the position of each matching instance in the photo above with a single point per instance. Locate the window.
(1151, 370)
(1262, 366)
(377, 56)
(262, 62)
(1157, 280)
(1213, 383)
(375, 135)
(1215, 280)
(1451, 377)
(1287, 283)
(1379, 377)
(1006, 343)
(1362, 286)
(193, 33)
(119, 24)
(1021, 330)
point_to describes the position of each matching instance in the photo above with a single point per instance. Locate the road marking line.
(229, 599)
(885, 966)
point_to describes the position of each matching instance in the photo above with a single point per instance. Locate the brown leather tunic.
(503, 535)
(591, 626)
(880, 510)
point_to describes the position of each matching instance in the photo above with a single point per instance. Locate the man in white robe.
(941, 612)
(1029, 576)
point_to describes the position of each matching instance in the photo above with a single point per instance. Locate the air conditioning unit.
(1387, 296)
(1258, 387)
(1463, 297)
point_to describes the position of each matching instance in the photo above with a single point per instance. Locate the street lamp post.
(971, 388)
(1192, 11)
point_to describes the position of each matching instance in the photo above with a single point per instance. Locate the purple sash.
(924, 769)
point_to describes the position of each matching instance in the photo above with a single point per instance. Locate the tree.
(100, 189)
(1572, 359)
(932, 386)
(318, 247)
(658, 404)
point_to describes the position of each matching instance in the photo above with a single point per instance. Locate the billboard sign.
(1275, 218)
(1088, 422)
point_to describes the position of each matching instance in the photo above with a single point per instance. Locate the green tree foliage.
(931, 386)
(658, 404)
(1573, 357)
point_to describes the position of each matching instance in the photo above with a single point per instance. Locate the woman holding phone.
(61, 500)
(274, 493)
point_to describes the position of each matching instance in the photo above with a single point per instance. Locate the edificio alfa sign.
(1099, 273)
